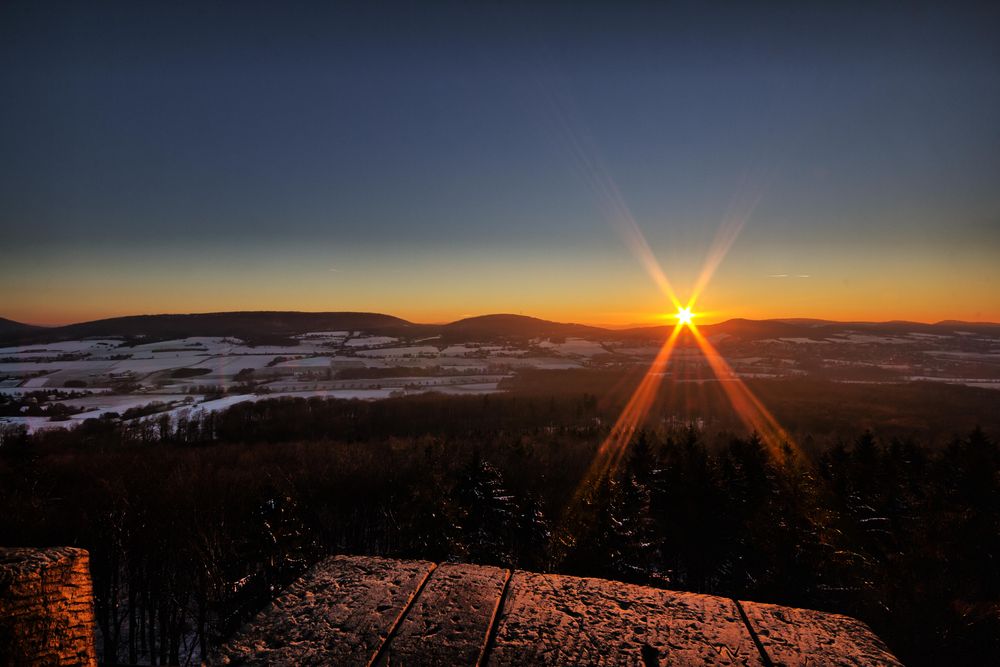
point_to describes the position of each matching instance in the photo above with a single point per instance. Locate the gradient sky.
(435, 163)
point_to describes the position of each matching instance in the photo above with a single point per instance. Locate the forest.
(194, 524)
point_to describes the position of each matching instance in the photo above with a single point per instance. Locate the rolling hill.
(265, 326)
(12, 329)
(253, 325)
(515, 326)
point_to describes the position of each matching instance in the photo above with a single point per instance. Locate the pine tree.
(481, 514)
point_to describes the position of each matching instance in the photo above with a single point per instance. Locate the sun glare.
(684, 315)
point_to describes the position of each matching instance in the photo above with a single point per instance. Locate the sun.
(684, 316)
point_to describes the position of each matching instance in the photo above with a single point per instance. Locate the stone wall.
(379, 612)
(375, 611)
(46, 607)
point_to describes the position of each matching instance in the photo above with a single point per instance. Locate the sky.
(435, 161)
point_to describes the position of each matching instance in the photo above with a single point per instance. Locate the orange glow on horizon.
(44, 314)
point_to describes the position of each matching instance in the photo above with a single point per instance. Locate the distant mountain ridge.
(10, 328)
(256, 325)
(516, 326)
(260, 326)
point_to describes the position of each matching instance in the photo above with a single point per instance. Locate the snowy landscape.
(63, 383)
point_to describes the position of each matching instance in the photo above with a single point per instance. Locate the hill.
(818, 329)
(266, 326)
(258, 326)
(10, 328)
(516, 326)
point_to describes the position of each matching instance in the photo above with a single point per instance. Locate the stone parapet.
(46, 607)
(369, 611)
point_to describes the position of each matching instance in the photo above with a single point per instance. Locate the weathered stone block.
(46, 607)
(337, 614)
(448, 623)
(373, 611)
(793, 637)
(560, 620)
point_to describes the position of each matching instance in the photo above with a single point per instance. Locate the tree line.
(193, 527)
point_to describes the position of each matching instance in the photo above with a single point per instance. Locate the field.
(150, 374)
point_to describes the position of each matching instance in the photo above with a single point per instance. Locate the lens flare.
(750, 410)
(748, 407)
(591, 168)
(611, 451)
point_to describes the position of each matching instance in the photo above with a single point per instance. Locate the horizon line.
(610, 327)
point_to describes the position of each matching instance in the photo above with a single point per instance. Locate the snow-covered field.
(575, 347)
(97, 405)
(99, 367)
(49, 366)
(162, 362)
(399, 352)
(120, 376)
(370, 341)
(305, 362)
(65, 347)
(233, 364)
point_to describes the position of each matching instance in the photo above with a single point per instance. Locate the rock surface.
(339, 613)
(46, 607)
(449, 621)
(559, 620)
(374, 611)
(788, 635)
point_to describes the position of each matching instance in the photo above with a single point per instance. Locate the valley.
(160, 365)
